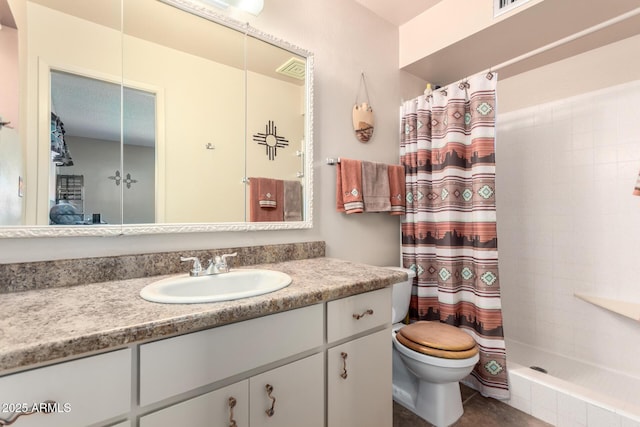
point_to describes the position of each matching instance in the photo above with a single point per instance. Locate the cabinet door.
(85, 391)
(218, 408)
(359, 390)
(298, 390)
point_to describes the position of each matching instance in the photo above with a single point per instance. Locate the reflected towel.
(349, 186)
(266, 192)
(375, 187)
(292, 201)
(397, 189)
(259, 211)
(636, 189)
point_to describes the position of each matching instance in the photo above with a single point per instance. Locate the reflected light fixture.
(252, 6)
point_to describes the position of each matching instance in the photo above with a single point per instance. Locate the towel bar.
(332, 162)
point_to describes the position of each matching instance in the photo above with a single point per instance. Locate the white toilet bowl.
(426, 384)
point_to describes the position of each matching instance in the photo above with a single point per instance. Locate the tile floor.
(479, 411)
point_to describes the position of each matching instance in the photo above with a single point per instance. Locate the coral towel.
(349, 186)
(266, 199)
(397, 189)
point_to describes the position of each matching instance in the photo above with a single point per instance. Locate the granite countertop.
(44, 326)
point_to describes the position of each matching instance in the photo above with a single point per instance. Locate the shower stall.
(568, 224)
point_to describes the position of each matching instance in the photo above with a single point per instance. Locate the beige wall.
(344, 47)
(197, 109)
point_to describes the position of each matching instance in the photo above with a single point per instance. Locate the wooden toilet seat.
(438, 340)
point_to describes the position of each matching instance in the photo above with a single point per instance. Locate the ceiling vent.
(294, 67)
(503, 6)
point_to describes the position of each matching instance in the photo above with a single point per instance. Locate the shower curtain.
(449, 232)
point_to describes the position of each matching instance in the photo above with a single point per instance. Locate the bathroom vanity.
(318, 351)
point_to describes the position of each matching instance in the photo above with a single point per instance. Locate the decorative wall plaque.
(363, 116)
(271, 140)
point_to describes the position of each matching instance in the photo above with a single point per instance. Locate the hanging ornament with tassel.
(363, 115)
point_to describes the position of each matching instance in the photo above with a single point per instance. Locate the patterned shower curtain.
(449, 231)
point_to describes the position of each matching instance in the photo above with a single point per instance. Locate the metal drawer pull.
(232, 404)
(47, 407)
(269, 389)
(344, 365)
(360, 316)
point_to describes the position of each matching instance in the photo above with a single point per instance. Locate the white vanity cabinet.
(169, 368)
(325, 365)
(357, 373)
(359, 389)
(86, 391)
(295, 395)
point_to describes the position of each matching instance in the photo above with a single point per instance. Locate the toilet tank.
(401, 294)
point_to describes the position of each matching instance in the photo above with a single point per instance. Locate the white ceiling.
(398, 11)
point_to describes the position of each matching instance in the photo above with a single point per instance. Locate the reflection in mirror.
(275, 127)
(221, 114)
(85, 149)
(199, 66)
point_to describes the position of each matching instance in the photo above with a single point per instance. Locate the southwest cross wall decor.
(271, 140)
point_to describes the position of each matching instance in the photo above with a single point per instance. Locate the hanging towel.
(292, 201)
(349, 186)
(397, 189)
(266, 192)
(636, 189)
(262, 207)
(375, 187)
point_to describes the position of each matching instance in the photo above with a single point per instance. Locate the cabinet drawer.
(211, 409)
(86, 390)
(183, 363)
(358, 313)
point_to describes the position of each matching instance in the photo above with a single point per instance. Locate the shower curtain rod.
(557, 43)
(567, 39)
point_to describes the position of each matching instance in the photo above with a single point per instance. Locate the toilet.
(429, 359)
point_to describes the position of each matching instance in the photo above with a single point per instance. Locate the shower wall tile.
(567, 223)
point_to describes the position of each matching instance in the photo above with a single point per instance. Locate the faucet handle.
(197, 267)
(225, 256)
(221, 262)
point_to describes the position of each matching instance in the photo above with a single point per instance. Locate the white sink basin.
(219, 287)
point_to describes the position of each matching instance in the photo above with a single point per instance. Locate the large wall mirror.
(152, 116)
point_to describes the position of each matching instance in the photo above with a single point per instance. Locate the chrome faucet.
(216, 266)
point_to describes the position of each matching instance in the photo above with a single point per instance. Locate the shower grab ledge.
(624, 308)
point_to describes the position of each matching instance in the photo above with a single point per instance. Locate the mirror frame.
(141, 229)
